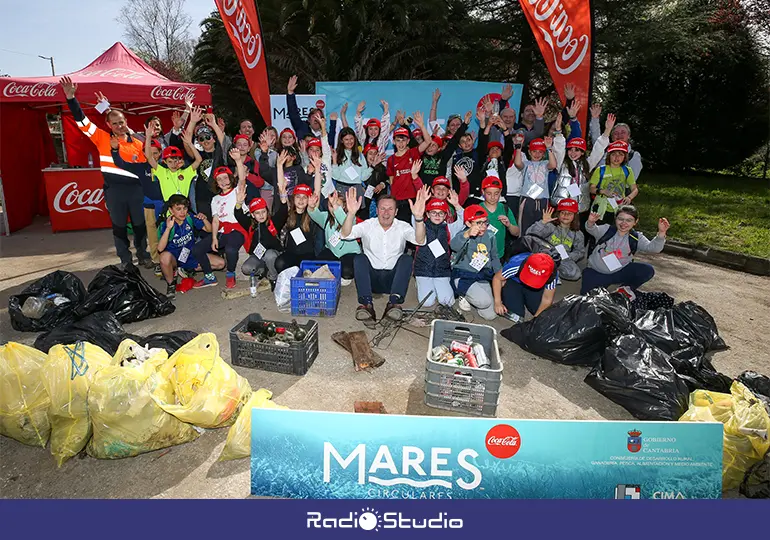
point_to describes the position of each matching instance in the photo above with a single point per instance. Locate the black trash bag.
(659, 328)
(699, 324)
(569, 332)
(171, 341)
(652, 300)
(756, 483)
(698, 371)
(123, 290)
(641, 379)
(615, 309)
(758, 384)
(58, 282)
(101, 328)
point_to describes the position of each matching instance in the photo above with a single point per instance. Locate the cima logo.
(634, 441)
(370, 519)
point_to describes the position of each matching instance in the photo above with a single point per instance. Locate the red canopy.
(118, 73)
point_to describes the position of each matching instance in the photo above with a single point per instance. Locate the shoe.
(171, 291)
(156, 270)
(346, 282)
(463, 304)
(230, 282)
(207, 281)
(182, 273)
(366, 313)
(393, 312)
(147, 263)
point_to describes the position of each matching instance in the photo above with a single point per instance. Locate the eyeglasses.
(437, 213)
(625, 220)
(484, 223)
(205, 137)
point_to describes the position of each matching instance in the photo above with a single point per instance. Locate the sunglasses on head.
(205, 137)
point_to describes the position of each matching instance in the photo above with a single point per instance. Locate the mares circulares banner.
(322, 455)
(562, 29)
(457, 97)
(242, 25)
(279, 112)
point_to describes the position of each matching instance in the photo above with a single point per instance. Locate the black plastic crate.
(295, 359)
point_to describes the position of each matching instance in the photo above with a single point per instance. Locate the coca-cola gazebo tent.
(26, 146)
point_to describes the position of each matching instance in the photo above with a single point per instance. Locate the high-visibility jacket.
(131, 149)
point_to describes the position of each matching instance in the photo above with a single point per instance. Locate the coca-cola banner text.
(242, 25)
(325, 455)
(76, 199)
(562, 29)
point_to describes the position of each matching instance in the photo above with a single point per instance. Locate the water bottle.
(34, 307)
(253, 285)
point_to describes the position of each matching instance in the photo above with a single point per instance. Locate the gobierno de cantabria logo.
(369, 519)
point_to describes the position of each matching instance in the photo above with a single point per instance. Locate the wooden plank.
(343, 340)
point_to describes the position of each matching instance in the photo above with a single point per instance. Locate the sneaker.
(171, 291)
(393, 312)
(365, 313)
(346, 282)
(182, 273)
(156, 270)
(463, 304)
(230, 282)
(147, 263)
(209, 280)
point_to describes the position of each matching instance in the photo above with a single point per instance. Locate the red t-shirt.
(400, 168)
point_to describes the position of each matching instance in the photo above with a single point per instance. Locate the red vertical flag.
(242, 25)
(562, 29)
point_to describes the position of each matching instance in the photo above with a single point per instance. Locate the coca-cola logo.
(114, 73)
(41, 89)
(320, 104)
(75, 200)
(248, 41)
(503, 441)
(173, 93)
(557, 33)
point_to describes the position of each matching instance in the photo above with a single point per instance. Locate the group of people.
(491, 222)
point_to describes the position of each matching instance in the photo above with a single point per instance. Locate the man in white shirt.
(383, 267)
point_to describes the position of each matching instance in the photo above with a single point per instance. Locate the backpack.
(633, 239)
(603, 168)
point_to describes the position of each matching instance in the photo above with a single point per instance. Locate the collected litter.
(269, 332)
(320, 273)
(24, 402)
(238, 444)
(758, 384)
(357, 344)
(47, 303)
(460, 353)
(746, 428)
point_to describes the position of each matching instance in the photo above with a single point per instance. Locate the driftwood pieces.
(357, 344)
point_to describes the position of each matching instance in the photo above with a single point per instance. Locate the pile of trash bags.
(136, 400)
(60, 299)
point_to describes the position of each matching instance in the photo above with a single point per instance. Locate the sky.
(74, 33)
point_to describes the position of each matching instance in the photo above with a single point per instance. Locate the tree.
(159, 32)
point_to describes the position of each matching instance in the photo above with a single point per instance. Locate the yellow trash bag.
(207, 392)
(23, 400)
(746, 428)
(68, 375)
(125, 419)
(238, 443)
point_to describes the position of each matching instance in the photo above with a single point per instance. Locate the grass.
(725, 212)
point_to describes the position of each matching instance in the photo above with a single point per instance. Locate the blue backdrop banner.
(457, 97)
(323, 455)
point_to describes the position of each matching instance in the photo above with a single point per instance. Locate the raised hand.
(593, 217)
(149, 130)
(416, 166)
(453, 198)
(312, 201)
(468, 117)
(333, 201)
(596, 110)
(481, 115)
(436, 128)
(487, 104)
(461, 174)
(264, 144)
(574, 109)
(100, 97)
(418, 206)
(379, 158)
(292, 86)
(188, 104)
(240, 193)
(548, 215)
(235, 155)
(663, 226)
(195, 115)
(283, 157)
(418, 118)
(609, 123)
(210, 120)
(548, 141)
(385, 106)
(68, 86)
(400, 115)
(344, 109)
(303, 146)
(558, 121)
(361, 106)
(353, 202)
(333, 116)
(569, 91)
(176, 120)
(507, 92)
(518, 138)
(436, 95)
(540, 105)
(221, 123)
(316, 162)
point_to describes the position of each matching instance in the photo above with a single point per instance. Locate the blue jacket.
(302, 127)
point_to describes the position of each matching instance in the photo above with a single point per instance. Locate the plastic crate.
(312, 297)
(473, 391)
(295, 359)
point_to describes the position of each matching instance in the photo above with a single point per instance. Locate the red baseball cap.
(536, 270)
(288, 130)
(370, 147)
(491, 182)
(438, 140)
(314, 142)
(577, 142)
(568, 205)
(171, 151)
(303, 189)
(416, 132)
(474, 212)
(494, 144)
(618, 146)
(537, 144)
(221, 170)
(155, 143)
(437, 204)
(239, 137)
(401, 132)
(373, 122)
(441, 181)
(257, 204)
